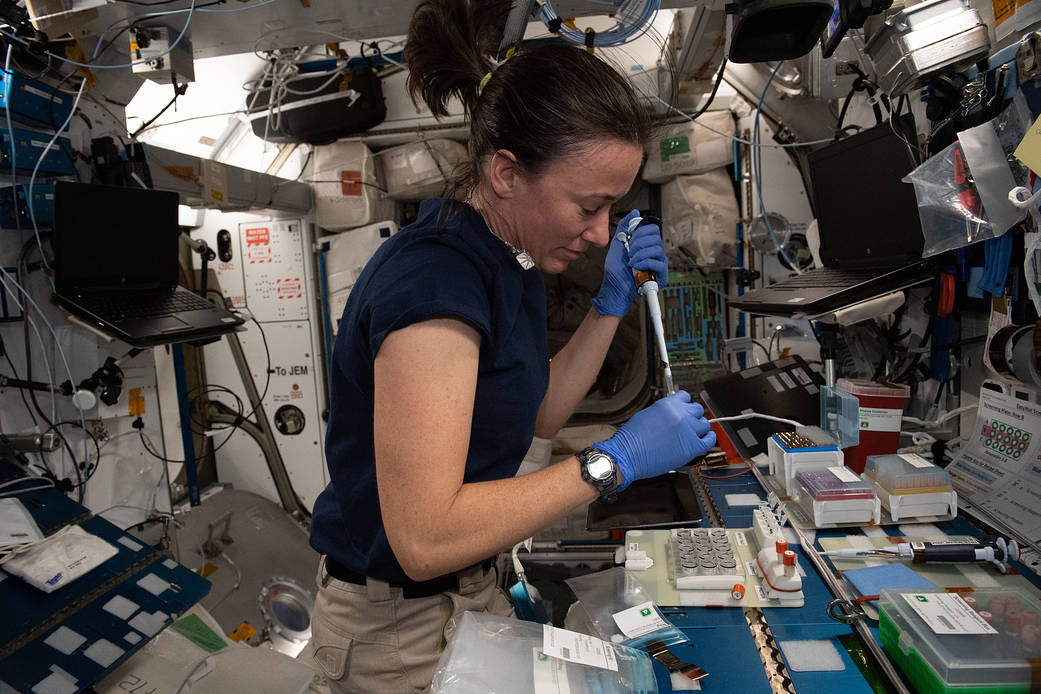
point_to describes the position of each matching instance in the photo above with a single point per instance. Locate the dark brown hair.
(543, 103)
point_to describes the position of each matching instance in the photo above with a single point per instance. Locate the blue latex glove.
(646, 252)
(670, 433)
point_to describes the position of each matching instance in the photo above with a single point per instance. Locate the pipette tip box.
(835, 495)
(986, 641)
(909, 486)
(808, 449)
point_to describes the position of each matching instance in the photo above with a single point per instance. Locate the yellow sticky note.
(1029, 149)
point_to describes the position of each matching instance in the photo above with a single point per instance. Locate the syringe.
(648, 288)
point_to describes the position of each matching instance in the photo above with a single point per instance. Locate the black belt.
(409, 588)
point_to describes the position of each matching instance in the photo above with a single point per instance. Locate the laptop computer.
(115, 266)
(870, 234)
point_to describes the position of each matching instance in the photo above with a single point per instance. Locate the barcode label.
(578, 648)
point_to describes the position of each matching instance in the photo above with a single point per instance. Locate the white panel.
(273, 263)
(291, 323)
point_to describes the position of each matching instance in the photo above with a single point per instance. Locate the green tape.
(196, 631)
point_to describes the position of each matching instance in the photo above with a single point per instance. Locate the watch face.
(599, 467)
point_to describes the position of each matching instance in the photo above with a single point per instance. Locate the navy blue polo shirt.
(446, 264)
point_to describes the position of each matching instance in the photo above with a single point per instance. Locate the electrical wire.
(756, 415)
(699, 467)
(36, 169)
(712, 94)
(928, 424)
(757, 173)
(735, 138)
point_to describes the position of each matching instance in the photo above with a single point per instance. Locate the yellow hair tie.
(484, 81)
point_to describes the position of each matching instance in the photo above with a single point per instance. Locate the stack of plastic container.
(909, 486)
(834, 496)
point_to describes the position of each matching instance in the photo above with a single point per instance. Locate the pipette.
(937, 552)
(647, 284)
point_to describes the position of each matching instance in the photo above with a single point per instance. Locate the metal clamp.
(660, 652)
(851, 612)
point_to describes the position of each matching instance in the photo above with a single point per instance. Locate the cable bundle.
(632, 19)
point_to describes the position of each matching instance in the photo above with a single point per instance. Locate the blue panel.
(33, 102)
(730, 657)
(847, 681)
(705, 617)
(31, 616)
(28, 146)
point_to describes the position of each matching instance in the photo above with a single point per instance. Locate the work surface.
(730, 643)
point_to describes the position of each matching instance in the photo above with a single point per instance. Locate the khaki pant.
(368, 638)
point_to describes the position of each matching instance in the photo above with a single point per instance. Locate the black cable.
(97, 446)
(179, 91)
(715, 88)
(21, 391)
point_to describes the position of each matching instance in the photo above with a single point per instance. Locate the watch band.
(605, 487)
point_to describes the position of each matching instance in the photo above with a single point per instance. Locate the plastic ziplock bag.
(496, 655)
(955, 186)
(621, 611)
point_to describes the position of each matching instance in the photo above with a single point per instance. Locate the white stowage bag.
(700, 216)
(497, 655)
(689, 148)
(348, 191)
(418, 170)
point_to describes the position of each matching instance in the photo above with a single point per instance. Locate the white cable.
(928, 424)
(734, 137)
(757, 173)
(57, 343)
(756, 415)
(46, 362)
(36, 169)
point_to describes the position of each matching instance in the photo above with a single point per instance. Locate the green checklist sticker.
(645, 612)
(921, 598)
(671, 146)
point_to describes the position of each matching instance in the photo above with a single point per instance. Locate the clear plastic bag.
(615, 602)
(496, 655)
(962, 191)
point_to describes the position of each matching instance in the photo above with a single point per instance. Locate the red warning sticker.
(258, 236)
(289, 288)
(258, 254)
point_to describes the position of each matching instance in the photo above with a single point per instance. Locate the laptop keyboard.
(144, 305)
(830, 277)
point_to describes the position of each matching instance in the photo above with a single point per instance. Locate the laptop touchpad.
(167, 324)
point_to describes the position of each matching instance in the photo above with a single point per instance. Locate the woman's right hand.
(670, 433)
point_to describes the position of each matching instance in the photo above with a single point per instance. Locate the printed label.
(775, 383)
(634, 546)
(350, 183)
(761, 592)
(916, 460)
(578, 648)
(639, 620)
(801, 375)
(844, 474)
(947, 613)
(741, 539)
(747, 436)
(752, 568)
(550, 674)
(45, 146)
(37, 92)
(786, 379)
(880, 419)
(812, 389)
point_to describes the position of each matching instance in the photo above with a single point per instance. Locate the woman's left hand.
(646, 252)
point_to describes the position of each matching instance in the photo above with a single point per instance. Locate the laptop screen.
(865, 213)
(108, 236)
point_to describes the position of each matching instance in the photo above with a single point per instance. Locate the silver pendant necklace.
(522, 257)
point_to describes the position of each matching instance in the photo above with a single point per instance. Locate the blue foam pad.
(872, 579)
